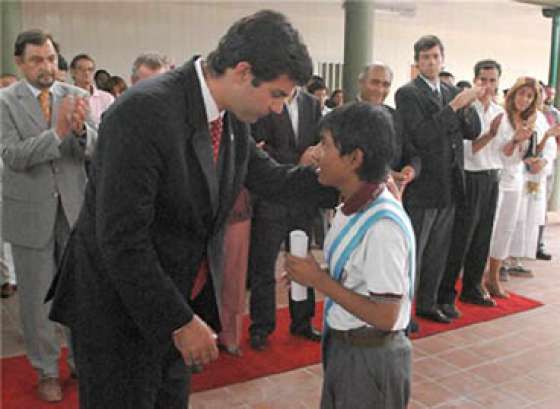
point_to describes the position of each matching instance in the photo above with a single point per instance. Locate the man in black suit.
(436, 118)
(286, 137)
(375, 83)
(140, 281)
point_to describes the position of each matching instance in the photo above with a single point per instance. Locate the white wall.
(115, 32)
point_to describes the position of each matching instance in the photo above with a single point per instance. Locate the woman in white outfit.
(521, 111)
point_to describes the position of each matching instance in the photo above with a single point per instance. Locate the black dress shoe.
(541, 255)
(482, 300)
(310, 333)
(450, 310)
(434, 314)
(258, 341)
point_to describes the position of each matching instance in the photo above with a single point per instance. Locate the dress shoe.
(434, 314)
(7, 290)
(542, 255)
(258, 341)
(49, 390)
(482, 300)
(450, 310)
(310, 333)
(520, 271)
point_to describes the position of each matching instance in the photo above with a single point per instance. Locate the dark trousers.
(270, 227)
(129, 374)
(472, 231)
(433, 228)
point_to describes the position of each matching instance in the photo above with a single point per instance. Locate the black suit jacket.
(436, 133)
(405, 154)
(277, 132)
(155, 207)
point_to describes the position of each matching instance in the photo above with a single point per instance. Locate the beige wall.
(115, 32)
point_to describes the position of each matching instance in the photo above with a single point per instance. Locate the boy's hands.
(305, 271)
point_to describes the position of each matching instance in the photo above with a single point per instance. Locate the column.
(358, 42)
(10, 27)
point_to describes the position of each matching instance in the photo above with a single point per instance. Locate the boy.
(370, 256)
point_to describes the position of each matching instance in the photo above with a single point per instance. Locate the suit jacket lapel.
(201, 144)
(228, 170)
(426, 90)
(302, 119)
(31, 105)
(199, 131)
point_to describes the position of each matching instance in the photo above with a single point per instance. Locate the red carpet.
(285, 353)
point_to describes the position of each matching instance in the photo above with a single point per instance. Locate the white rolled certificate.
(298, 247)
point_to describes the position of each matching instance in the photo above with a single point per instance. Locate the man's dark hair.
(360, 125)
(268, 42)
(487, 65)
(316, 83)
(426, 43)
(79, 57)
(445, 74)
(463, 84)
(62, 63)
(34, 37)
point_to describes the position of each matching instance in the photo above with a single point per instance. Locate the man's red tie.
(216, 127)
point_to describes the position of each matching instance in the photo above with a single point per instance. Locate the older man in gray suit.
(45, 140)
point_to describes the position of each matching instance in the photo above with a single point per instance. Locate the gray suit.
(43, 188)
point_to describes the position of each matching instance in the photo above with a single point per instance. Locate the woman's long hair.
(528, 116)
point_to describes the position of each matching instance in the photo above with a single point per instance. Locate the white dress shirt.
(210, 106)
(490, 156)
(293, 112)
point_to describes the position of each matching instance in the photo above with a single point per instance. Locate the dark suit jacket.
(278, 134)
(155, 207)
(436, 133)
(405, 153)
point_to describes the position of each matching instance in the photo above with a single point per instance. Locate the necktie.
(216, 128)
(45, 104)
(437, 94)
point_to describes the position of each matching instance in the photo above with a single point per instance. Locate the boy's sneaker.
(520, 271)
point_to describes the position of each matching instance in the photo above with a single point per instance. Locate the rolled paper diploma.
(298, 247)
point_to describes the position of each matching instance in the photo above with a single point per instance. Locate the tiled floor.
(508, 363)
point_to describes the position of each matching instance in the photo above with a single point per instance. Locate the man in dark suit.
(286, 137)
(141, 277)
(436, 118)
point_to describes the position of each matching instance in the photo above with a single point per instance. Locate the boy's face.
(333, 169)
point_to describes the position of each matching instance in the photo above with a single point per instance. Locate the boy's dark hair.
(80, 57)
(360, 125)
(487, 65)
(268, 42)
(35, 37)
(445, 74)
(426, 43)
(463, 84)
